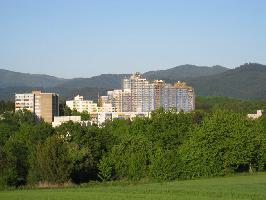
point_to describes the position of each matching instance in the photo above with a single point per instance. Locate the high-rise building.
(126, 84)
(126, 101)
(168, 97)
(115, 98)
(158, 89)
(103, 100)
(138, 97)
(44, 105)
(141, 95)
(185, 97)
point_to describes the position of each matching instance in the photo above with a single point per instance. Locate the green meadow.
(235, 187)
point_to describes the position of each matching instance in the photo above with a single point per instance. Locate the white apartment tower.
(142, 93)
(115, 98)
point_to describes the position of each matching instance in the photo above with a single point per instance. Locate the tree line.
(166, 146)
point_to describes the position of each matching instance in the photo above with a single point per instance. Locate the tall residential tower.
(140, 95)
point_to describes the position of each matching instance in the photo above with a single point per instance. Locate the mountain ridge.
(10, 78)
(183, 72)
(245, 82)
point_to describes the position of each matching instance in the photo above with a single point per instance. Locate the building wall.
(158, 87)
(63, 119)
(141, 95)
(115, 98)
(81, 105)
(49, 106)
(126, 101)
(44, 105)
(24, 101)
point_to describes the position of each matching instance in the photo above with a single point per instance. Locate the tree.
(165, 164)
(129, 159)
(168, 129)
(224, 143)
(51, 162)
(67, 111)
(88, 145)
(6, 106)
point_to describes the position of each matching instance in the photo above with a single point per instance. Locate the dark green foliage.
(52, 161)
(19, 133)
(6, 106)
(90, 143)
(105, 167)
(148, 147)
(244, 82)
(129, 159)
(168, 129)
(17, 79)
(65, 93)
(260, 154)
(225, 142)
(101, 81)
(184, 72)
(208, 104)
(66, 111)
(165, 164)
(216, 140)
(84, 115)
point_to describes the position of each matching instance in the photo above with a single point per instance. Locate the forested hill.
(245, 82)
(184, 72)
(101, 81)
(16, 79)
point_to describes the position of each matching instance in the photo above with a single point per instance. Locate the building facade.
(141, 95)
(44, 105)
(138, 97)
(64, 119)
(80, 105)
(115, 98)
(24, 101)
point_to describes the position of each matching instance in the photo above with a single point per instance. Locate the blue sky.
(82, 38)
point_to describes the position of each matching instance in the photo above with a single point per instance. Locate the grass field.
(236, 187)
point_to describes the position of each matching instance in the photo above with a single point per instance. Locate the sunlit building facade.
(44, 105)
(140, 95)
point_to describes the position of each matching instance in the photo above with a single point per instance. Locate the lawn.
(235, 187)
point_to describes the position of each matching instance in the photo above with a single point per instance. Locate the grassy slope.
(237, 187)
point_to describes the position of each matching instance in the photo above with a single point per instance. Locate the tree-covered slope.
(184, 72)
(17, 79)
(64, 93)
(246, 82)
(101, 81)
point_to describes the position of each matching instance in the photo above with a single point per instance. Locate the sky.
(83, 38)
